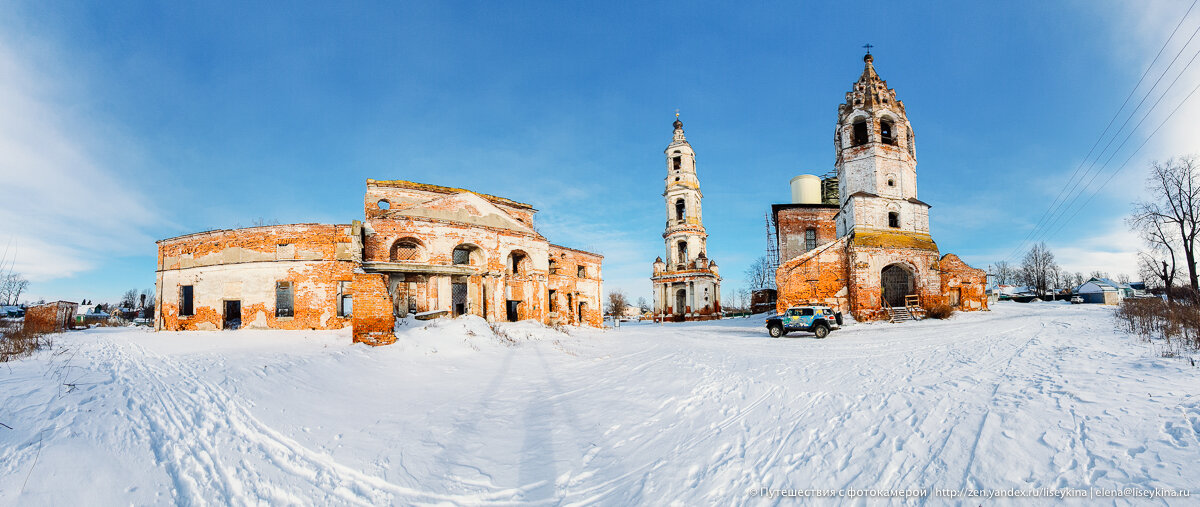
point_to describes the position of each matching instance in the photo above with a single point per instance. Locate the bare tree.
(1038, 267)
(617, 303)
(1176, 206)
(1005, 273)
(1157, 272)
(11, 287)
(760, 275)
(1123, 279)
(642, 305)
(1099, 274)
(129, 299)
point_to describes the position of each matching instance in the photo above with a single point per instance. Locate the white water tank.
(806, 189)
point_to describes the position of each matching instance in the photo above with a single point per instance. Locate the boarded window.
(581, 272)
(185, 300)
(345, 301)
(405, 251)
(283, 299)
(462, 255)
(810, 239)
(860, 132)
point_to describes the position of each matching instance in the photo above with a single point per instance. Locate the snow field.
(1026, 396)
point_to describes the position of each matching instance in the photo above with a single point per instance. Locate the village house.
(422, 250)
(866, 250)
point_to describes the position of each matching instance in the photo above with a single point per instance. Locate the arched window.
(406, 249)
(885, 132)
(467, 255)
(683, 255)
(894, 220)
(680, 209)
(553, 268)
(810, 239)
(860, 132)
(518, 263)
(912, 144)
(677, 162)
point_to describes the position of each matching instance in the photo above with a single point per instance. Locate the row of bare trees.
(1168, 224)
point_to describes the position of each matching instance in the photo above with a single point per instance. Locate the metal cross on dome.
(868, 46)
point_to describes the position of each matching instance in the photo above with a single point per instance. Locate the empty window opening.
(551, 300)
(283, 299)
(384, 204)
(891, 181)
(553, 267)
(677, 162)
(912, 144)
(894, 220)
(345, 301)
(581, 271)
(810, 239)
(860, 132)
(680, 209)
(405, 250)
(683, 253)
(885, 132)
(185, 300)
(516, 262)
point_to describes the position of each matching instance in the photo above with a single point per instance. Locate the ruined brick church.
(867, 250)
(423, 250)
(687, 285)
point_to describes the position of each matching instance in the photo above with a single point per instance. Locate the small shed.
(50, 317)
(1103, 291)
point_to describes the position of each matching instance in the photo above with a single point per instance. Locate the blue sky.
(130, 122)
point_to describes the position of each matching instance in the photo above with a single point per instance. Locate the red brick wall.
(50, 317)
(792, 222)
(817, 277)
(970, 282)
(373, 321)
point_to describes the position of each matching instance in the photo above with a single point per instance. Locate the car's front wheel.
(776, 330)
(821, 331)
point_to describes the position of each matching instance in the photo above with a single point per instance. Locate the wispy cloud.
(62, 209)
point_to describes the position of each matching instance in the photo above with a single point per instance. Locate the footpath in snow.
(1026, 396)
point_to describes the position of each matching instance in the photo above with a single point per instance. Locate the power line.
(1071, 182)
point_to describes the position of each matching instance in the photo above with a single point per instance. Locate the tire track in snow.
(214, 449)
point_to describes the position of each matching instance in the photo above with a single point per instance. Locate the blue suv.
(818, 320)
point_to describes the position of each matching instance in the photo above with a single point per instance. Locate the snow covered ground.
(1036, 395)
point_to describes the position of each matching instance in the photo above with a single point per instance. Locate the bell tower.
(876, 160)
(686, 282)
(684, 233)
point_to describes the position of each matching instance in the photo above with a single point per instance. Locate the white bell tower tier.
(876, 161)
(686, 284)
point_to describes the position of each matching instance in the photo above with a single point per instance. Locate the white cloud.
(61, 208)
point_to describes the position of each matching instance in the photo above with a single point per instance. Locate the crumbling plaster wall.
(793, 222)
(245, 264)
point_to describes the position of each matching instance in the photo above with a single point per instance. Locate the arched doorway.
(897, 282)
(680, 301)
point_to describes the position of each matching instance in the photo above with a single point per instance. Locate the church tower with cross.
(876, 160)
(687, 284)
(869, 252)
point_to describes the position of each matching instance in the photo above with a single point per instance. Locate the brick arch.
(898, 279)
(407, 249)
(477, 255)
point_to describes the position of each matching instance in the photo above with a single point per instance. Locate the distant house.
(12, 311)
(1103, 291)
